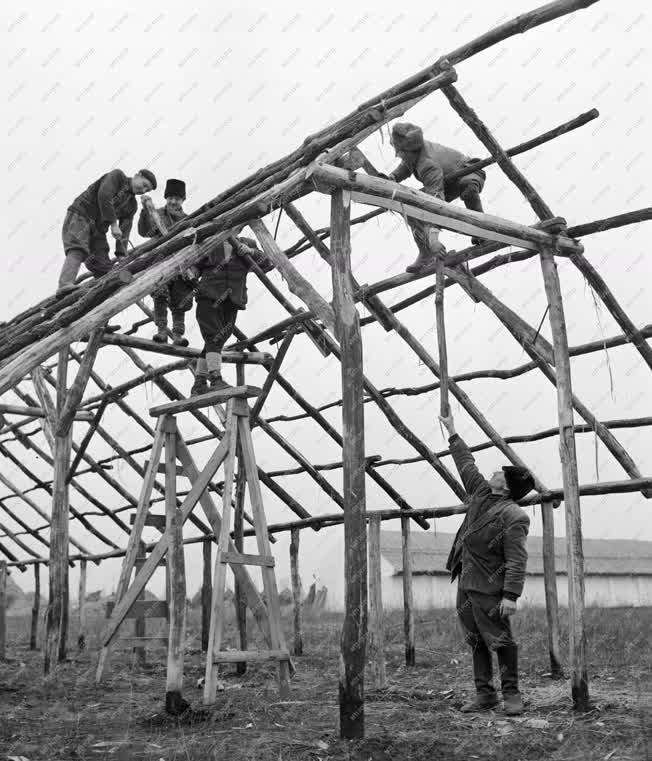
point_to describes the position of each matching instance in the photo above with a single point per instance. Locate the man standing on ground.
(109, 203)
(489, 556)
(178, 292)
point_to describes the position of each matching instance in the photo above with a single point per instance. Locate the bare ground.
(67, 716)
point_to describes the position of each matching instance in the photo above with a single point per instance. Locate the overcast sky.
(210, 92)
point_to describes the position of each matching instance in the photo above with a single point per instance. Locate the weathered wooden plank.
(246, 559)
(206, 592)
(205, 400)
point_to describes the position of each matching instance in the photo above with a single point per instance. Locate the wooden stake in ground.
(56, 629)
(206, 592)
(3, 609)
(576, 631)
(174, 703)
(408, 597)
(81, 600)
(36, 604)
(550, 586)
(376, 629)
(347, 325)
(296, 590)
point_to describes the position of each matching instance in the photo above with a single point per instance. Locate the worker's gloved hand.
(507, 607)
(191, 274)
(146, 201)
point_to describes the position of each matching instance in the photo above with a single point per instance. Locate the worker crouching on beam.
(430, 163)
(222, 292)
(108, 204)
(177, 294)
(489, 556)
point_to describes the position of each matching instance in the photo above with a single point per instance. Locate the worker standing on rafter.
(222, 292)
(489, 555)
(177, 294)
(430, 163)
(109, 203)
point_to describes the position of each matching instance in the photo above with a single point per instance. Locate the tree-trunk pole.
(444, 407)
(550, 586)
(576, 631)
(408, 597)
(376, 630)
(238, 539)
(57, 615)
(296, 590)
(347, 324)
(36, 605)
(81, 600)
(206, 592)
(3, 609)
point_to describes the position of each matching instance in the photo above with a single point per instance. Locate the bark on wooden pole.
(550, 587)
(408, 597)
(238, 540)
(206, 591)
(81, 601)
(36, 605)
(576, 630)
(174, 703)
(140, 623)
(3, 609)
(376, 629)
(56, 630)
(296, 590)
(347, 324)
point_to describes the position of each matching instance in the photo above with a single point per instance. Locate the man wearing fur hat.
(430, 163)
(109, 203)
(178, 292)
(222, 292)
(489, 556)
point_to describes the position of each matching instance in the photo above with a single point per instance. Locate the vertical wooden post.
(576, 630)
(174, 703)
(347, 328)
(296, 590)
(550, 586)
(81, 601)
(444, 407)
(238, 539)
(36, 605)
(376, 630)
(206, 592)
(140, 626)
(56, 630)
(3, 609)
(408, 598)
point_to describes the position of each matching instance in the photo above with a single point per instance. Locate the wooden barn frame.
(32, 338)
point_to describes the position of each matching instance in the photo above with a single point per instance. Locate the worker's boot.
(427, 255)
(485, 697)
(200, 386)
(161, 322)
(471, 197)
(217, 382)
(508, 663)
(178, 329)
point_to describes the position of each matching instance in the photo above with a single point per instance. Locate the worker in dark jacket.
(178, 292)
(489, 556)
(430, 163)
(109, 203)
(222, 292)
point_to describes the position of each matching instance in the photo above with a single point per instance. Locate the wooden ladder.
(237, 428)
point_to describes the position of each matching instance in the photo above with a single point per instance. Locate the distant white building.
(618, 572)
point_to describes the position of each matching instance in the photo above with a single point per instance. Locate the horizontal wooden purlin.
(128, 638)
(15, 409)
(405, 200)
(252, 656)
(205, 400)
(144, 344)
(148, 609)
(244, 559)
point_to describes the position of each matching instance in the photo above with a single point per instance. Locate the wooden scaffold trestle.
(48, 330)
